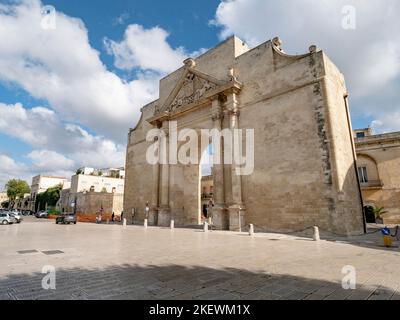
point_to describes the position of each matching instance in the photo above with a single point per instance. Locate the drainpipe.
(346, 96)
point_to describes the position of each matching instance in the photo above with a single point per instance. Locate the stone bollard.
(125, 223)
(316, 234)
(146, 223)
(172, 224)
(251, 230)
(206, 227)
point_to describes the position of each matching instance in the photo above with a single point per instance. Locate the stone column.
(155, 201)
(237, 208)
(219, 213)
(164, 213)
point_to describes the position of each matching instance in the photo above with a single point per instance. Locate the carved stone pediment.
(192, 90)
(192, 87)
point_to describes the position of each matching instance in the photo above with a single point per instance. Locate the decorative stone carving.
(277, 43)
(192, 90)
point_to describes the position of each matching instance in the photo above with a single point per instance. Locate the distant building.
(96, 183)
(3, 197)
(94, 190)
(22, 203)
(41, 183)
(378, 165)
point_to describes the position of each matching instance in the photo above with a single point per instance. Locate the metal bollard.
(316, 234)
(206, 227)
(146, 223)
(125, 222)
(172, 224)
(251, 230)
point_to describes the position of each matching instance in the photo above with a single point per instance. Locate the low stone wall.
(391, 219)
(91, 217)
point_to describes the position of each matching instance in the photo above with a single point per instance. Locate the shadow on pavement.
(133, 282)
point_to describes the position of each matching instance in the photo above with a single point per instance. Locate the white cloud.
(387, 123)
(145, 49)
(121, 19)
(58, 146)
(11, 169)
(44, 159)
(369, 56)
(61, 67)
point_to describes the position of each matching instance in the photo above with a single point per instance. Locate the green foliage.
(17, 188)
(50, 197)
(53, 211)
(5, 204)
(379, 212)
(78, 172)
(104, 190)
(100, 173)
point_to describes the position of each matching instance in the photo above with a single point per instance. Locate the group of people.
(99, 217)
(207, 213)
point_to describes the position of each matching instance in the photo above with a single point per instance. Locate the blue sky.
(56, 93)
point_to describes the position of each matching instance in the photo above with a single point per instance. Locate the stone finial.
(231, 74)
(189, 63)
(313, 48)
(277, 42)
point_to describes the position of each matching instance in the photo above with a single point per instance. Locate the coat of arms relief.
(192, 90)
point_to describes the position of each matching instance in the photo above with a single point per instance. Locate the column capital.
(216, 109)
(232, 103)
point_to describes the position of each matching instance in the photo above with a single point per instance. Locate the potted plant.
(379, 212)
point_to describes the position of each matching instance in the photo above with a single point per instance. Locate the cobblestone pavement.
(113, 262)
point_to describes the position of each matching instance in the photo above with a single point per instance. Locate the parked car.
(41, 214)
(17, 217)
(7, 218)
(66, 218)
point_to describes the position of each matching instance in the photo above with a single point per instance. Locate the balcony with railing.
(372, 184)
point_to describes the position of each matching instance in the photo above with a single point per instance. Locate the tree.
(17, 188)
(379, 212)
(50, 197)
(5, 204)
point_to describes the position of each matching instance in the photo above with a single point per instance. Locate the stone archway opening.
(369, 214)
(206, 190)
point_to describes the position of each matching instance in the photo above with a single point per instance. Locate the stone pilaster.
(237, 208)
(219, 213)
(164, 212)
(155, 201)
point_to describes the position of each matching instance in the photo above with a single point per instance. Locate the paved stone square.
(94, 262)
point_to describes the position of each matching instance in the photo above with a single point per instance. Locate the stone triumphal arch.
(304, 172)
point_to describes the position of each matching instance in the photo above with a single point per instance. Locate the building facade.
(40, 184)
(3, 197)
(93, 191)
(378, 164)
(304, 158)
(96, 183)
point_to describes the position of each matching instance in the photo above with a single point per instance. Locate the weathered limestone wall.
(139, 178)
(347, 216)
